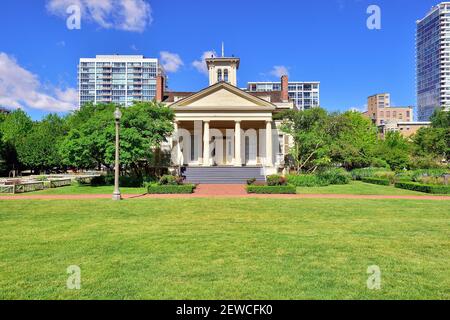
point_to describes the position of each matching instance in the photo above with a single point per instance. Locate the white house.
(225, 134)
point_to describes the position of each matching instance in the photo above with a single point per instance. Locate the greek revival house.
(224, 134)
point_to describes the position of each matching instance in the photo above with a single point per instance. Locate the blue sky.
(320, 40)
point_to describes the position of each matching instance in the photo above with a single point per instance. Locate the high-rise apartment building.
(305, 95)
(433, 61)
(119, 79)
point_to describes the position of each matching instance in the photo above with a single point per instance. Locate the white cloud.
(128, 15)
(279, 71)
(19, 88)
(200, 65)
(171, 62)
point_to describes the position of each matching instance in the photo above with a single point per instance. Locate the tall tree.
(354, 141)
(311, 131)
(14, 128)
(434, 142)
(91, 139)
(39, 147)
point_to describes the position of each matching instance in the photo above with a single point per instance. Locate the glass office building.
(433, 61)
(119, 79)
(305, 95)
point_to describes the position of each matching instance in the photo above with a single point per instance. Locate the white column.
(206, 138)
(177, 144)
(237, 144)
(269, 162)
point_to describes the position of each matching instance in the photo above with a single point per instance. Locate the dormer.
(223, 69)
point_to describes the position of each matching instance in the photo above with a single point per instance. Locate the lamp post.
(116, 194)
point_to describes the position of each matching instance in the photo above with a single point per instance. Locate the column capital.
(269, 121)
(237, 121)
(207, 121)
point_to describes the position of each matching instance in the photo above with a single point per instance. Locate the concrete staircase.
(221, 175)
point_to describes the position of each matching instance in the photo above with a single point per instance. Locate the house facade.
(226, 128)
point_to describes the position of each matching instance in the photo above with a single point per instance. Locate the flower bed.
(379, 181)
(287, 189)
(171, 189)
(427, 188)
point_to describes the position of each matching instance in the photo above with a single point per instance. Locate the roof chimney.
(284, 88)
(160, 86)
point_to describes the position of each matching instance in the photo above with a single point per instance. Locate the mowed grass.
(225, 249)
(359, 188)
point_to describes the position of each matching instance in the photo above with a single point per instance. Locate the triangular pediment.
(223, 96)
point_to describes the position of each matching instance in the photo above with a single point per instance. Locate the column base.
(117, 196)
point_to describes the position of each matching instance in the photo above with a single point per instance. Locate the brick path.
(221, 191)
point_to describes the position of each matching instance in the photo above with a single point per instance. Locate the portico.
(224, 142)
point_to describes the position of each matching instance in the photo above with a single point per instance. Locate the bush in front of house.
(306, 180)
(426, 188)
(379, 181)
(279, 189)
(276, 180)
(169, 180)
(156, 188)
(335, 176)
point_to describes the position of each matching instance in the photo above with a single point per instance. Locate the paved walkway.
(219, 191)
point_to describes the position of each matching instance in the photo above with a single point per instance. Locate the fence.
(57, 183)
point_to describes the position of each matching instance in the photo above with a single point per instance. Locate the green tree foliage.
(311, 130)
(354, 142)
(14, 127)
(91, 139)
(395, 150)
(39, 148)
(322, 139)
(434, 142)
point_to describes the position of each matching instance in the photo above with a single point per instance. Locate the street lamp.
(116, 194)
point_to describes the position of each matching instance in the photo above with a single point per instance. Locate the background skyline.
(326, 41)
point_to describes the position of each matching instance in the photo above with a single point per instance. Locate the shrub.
(124, 181)
(433, 189)
(385, 175)
(276, 180)
(170, 189)
(379, 181)
(431, 180)
(251, 181)
(168, 180)
(418, 174)
(306, 180)
(335, 176)
(285, 189)
(358, 174)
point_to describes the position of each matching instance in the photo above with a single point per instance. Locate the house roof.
(259, 102)
(275, 96)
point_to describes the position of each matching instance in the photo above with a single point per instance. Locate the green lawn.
(359, 188)
(225, 248)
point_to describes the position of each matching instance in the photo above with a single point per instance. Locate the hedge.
(289, 189)
(170, 189)
(379, 181)
(427, 188)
